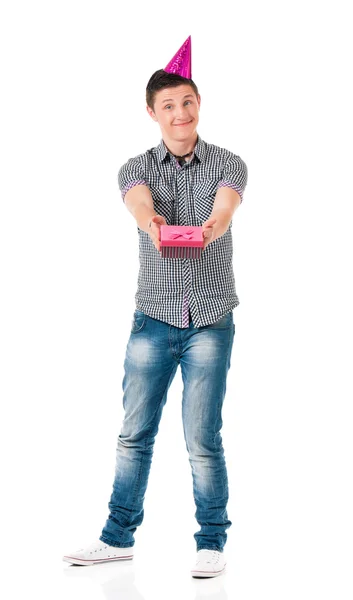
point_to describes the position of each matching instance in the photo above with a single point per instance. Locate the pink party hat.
(181, 62)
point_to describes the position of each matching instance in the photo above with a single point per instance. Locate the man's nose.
(182, 113)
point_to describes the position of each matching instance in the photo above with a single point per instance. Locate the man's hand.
(154, 229)
(208, 231)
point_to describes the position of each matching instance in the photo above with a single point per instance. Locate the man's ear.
(151, 113)
(199, 100)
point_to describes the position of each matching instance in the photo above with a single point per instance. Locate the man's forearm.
(224, 218)
(139, 202)
(143, 214)
(226, 202)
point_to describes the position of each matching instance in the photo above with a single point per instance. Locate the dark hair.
(161, 79)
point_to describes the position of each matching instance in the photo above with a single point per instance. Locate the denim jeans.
(153, 353)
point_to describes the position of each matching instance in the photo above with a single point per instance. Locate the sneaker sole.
(86, 562)
(207, 573)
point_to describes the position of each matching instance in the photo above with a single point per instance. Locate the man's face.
(176, 109)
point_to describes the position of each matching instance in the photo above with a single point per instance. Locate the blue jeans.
(153, 353)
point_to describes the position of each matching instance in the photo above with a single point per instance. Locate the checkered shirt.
(171, 289)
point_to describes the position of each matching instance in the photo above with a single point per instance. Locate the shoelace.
(94, 547)
(214, 557)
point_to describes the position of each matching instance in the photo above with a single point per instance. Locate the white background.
(274, 79)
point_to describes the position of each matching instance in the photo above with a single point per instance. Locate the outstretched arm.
(226, 202)
(139, 202)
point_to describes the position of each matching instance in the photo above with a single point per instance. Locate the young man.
(183, 316)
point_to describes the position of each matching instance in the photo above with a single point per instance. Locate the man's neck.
(181, 148)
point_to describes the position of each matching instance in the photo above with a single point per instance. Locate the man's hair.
(161, 79)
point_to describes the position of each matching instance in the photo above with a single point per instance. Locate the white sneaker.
(209, 563)
(98, 552)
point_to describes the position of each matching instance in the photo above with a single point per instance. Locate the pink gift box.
(181, 241)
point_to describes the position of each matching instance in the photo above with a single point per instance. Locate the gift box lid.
(181, 235)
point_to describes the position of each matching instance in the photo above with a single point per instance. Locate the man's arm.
(225, 204)
(139, 202)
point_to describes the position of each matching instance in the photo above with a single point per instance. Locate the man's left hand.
(208, 231)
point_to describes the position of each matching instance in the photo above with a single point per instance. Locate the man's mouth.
(182, 124)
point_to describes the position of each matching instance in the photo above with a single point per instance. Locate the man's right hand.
(154, 229)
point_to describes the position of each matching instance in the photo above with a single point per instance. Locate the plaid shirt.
(168, 288)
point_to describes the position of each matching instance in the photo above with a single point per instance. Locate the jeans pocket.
(138, 321)
(223, 323)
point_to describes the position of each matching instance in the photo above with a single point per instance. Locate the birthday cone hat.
(181, 61)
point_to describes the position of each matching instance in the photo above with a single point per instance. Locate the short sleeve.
(235, 175)
(129, 175)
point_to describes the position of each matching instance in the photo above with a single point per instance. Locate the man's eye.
(169, 105)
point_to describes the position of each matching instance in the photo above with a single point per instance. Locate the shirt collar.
(199, 150)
